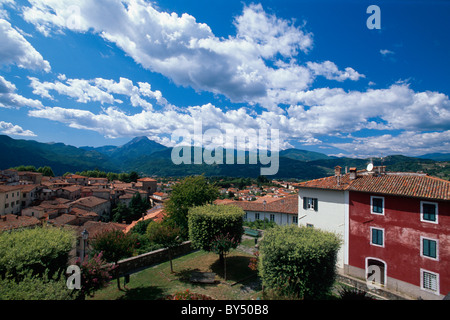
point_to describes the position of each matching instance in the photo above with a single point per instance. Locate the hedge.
(298, 262)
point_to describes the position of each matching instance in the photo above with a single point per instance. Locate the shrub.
(298, 261)
(95, 275)
(35, 287)
(209, 221)
(42, 249)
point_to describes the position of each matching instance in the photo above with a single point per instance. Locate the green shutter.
(305, 203)
(315, 204)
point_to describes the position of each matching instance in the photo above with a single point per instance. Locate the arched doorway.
(375, 272)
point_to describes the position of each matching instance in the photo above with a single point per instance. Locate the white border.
(437, 281)
(384, 238)
(371, 206)
(421, 212)
(437, 248)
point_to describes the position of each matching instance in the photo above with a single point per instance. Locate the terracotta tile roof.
(8, 188)
(146, 179)
(391, 183)
(287, 204)
(156, 214)
(11, 221)
(97, 227)
(89, 202)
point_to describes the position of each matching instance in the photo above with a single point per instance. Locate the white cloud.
(99, 90)
(184, 50)
(409, 142)
(385, 52)
(15, 49)
(330, 71)
(11, 129)
(10, 99)
(258, 65)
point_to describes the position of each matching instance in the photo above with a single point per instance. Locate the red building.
(399, 232)
(395, 227)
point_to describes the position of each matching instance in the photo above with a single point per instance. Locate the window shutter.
(305, 203)
(315, 204)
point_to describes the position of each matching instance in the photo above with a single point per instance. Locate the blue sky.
(102, 72)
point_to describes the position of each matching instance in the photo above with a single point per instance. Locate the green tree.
(165, 235)
(115, 245)
(190, 192)
(138, 205)
(298, 262)
(46, 171)
(222, 244)
(208, 222)
(120, 212)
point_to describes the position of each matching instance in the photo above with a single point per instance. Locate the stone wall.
(143, 261)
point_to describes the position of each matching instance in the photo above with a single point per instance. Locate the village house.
(30, 177)
(282, 211)
(158, 198)
(149, 185)
(9, 176)
(394, 227)
(10, 199)
(29, 194)
(102, 207)
(77, 179)
(72, 192)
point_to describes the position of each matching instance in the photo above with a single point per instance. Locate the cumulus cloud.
(409, 142)
(330, 71)
(15, 49)
(10, 99)
(11, 129)
(259, 64)
(99, 90)
(184, 50)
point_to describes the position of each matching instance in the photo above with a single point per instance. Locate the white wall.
(332, 215)
(280, 218)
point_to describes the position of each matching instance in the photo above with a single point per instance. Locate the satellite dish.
(370, 167)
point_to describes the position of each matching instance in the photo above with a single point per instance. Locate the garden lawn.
(157, 281)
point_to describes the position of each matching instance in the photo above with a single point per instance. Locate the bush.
(260, 224)
(298, 261)
(34, 287)
(41, 250)
(208, 221)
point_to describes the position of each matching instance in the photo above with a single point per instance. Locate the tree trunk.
(225, 267)
(169, 251)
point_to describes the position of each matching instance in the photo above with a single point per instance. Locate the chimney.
(337, 171)
(379, 170)
(353, 174)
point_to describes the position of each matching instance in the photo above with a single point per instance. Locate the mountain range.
(150, 158)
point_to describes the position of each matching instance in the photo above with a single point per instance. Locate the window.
(377, 237)
(308, 225)
(256, 216)
(429, 248)
(272, 217)
(295, 219)
(428, 212)
(430, 281)
(310, 203)
(377, 205)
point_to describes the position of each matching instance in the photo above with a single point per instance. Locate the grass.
(157, 281)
